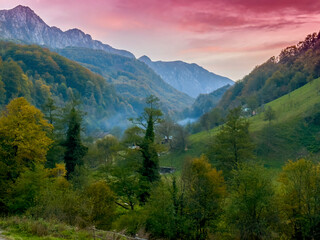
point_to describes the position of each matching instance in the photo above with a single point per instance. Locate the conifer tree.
(232, 144)
(149, 171)
(75, 150)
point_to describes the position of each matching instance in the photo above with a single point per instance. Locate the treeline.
(36, 73)
(293, 68)
(115, 184)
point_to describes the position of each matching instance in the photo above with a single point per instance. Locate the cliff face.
(21, 23)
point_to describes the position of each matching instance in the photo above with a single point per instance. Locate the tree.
(107, 147)
(232, 145)
(101, 204)
(204, 190)
(23, 142)
(269, 114)
(299, 197)
(251, 208)
(166, 129)
(149, 170)
(75, 150)
(23, 136)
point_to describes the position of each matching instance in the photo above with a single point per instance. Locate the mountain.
(205, 102)
(294, 67)
(188, 78)
(132, 79)
(36, 73)
(21, 23)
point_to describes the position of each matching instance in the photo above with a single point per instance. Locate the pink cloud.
(210, 31)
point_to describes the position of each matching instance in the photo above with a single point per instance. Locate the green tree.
(251, 209)
(149, 170)
(75, 150)
(107, 147)
(232, 145)
(269, 114)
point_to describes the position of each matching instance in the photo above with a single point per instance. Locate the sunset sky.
(227, 37)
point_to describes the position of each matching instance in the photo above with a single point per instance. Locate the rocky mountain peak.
(23, 24)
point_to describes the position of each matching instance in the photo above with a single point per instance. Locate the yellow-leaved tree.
(23, 137)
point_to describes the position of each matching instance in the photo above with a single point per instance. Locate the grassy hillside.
(294, 133)
(132, 79)
(295, 66)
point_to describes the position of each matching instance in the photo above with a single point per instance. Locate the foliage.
(269, 114)
(131, 78)
(204, 191)
(294, 67)
(204, 103)
(299, 199)
(75, 150)
(149, 170)
(232, 144)
(23, 142)
(37, 74)
(101, 204)
(251, 209)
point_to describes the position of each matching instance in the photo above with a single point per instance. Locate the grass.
(290, 139)
(23, 228)
(29, 229)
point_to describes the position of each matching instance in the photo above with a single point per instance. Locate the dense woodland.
(36, 73)
(252, 174)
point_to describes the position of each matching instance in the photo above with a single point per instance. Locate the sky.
(227, 37)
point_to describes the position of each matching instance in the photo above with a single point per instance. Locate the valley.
(98, 144)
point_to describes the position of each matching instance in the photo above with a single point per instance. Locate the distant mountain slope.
(131, 78)
(36, 73)
(188, 78)
(293, 68)
(21, 23)
(205, 102)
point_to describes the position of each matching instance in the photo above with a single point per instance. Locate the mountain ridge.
(189, 78)
(23, 24)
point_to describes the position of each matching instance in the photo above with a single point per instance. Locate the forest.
(248, 169)
(51, 173)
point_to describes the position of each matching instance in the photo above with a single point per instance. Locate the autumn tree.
(23, 135)
(204, 190)
(75, 150)
(23, 141)
(299, 196)
(101, 204)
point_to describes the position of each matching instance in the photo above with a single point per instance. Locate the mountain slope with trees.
(294, 67)
(132, 79)
(37, 74)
